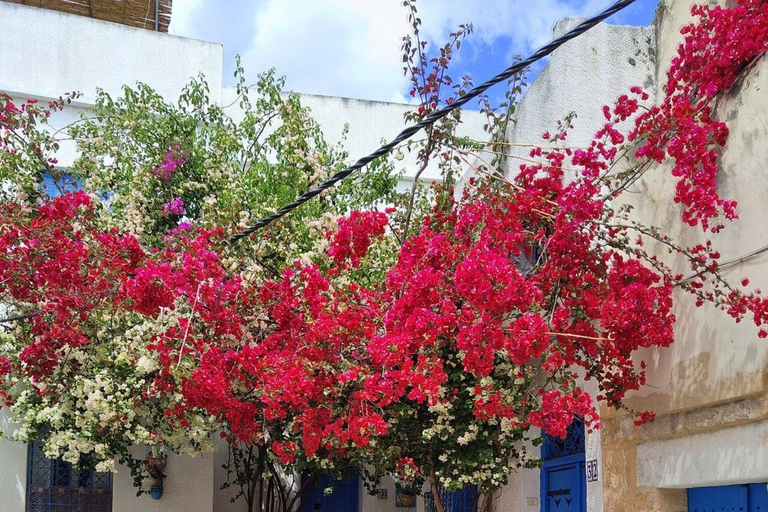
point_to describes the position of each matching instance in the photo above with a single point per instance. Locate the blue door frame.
(563, 472)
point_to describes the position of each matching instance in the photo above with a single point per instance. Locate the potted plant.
(156, 464)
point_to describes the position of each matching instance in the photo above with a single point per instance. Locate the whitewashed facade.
(44, 54)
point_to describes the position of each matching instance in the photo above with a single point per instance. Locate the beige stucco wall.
(709, 386)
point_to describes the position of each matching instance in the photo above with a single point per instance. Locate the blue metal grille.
(463, 500)
(57, 486)
(573, 444)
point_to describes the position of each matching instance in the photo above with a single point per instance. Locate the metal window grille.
(555, 448)
(463, 500)
(58, 486)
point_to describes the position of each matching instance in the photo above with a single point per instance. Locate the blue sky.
(352, 47)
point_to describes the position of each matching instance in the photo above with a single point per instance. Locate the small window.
(58, 486)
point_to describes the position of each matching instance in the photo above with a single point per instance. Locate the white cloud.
(183, 14)
(352, 47)
(339, 47)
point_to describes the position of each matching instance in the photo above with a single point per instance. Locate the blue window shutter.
(66, 183)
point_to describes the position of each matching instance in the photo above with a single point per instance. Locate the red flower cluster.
(356, 233)
(716, 48)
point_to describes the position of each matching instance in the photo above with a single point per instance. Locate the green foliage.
(235, 166)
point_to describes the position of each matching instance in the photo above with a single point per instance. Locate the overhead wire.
(432, 118)
(727, 263)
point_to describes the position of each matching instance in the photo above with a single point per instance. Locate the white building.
(44, 54)
(709, 388)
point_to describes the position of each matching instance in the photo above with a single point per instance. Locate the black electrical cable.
(435, 116)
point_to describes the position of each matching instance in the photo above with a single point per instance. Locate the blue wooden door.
(565, 487)
(729, 498)
(563, 472)
(758, 497)
(343, 498)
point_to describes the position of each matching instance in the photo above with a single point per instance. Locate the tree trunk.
(487, 501)
(436, 493)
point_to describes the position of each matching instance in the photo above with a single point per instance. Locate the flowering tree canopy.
(430, 355)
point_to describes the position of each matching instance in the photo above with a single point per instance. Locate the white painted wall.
(371, 123)
(188, 487)
(583, 75)
(47, 53)
(714, 359)
(523, 492)
(13, 469)
(368, 503)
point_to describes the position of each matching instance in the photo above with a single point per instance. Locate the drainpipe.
(157, 15)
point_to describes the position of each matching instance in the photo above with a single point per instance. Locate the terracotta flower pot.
(407, 500)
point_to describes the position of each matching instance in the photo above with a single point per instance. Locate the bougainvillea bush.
(155, 176)
(435, 365)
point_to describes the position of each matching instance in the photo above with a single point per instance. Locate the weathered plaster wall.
(709, 386)
(582, 76)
